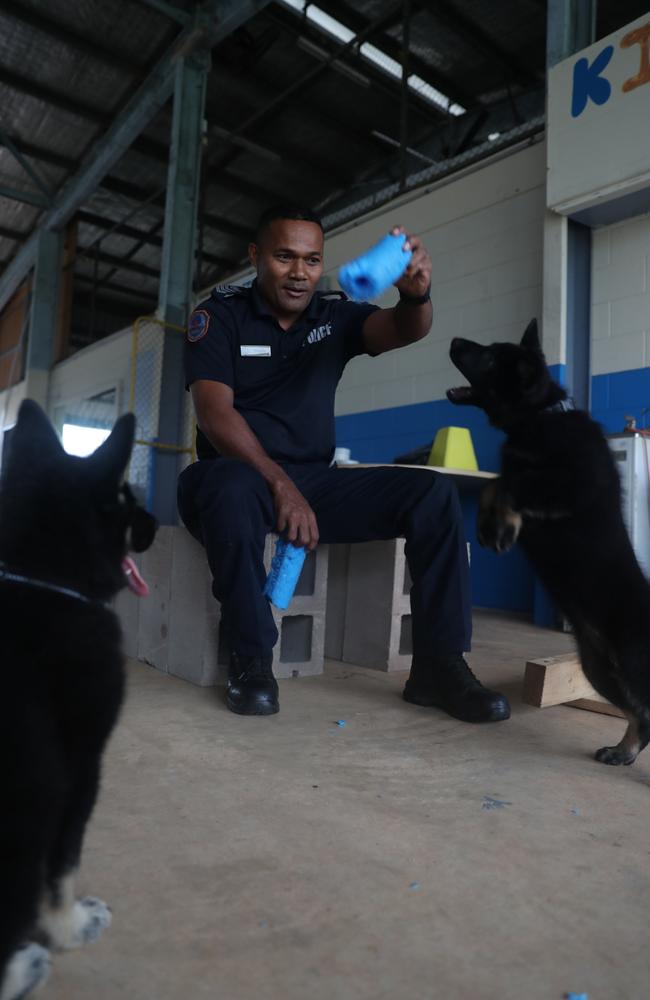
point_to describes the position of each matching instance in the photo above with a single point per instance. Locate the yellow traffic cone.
(453, 449)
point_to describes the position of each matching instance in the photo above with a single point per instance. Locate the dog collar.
(562, 406)
(10, 577)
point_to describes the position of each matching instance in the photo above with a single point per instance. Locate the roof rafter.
(35, 18)
(142, 144)
(120, 289)
(218, 19)
(132, 233)
(345, 13)
(474, 35)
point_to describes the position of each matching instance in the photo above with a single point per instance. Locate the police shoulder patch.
(198, 325)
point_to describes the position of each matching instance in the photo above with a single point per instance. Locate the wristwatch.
(416, 300)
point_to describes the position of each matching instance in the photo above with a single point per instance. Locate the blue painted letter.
(588, 83)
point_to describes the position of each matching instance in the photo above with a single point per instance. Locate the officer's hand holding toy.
(398, 259)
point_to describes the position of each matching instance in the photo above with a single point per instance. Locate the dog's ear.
(112, 457)
(143, 529)
(33, 440)
(530, 339)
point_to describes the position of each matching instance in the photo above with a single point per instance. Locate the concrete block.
(622, 279)
(195, 616)
(630, 315)
(618, 353)
(178, 628)
(356, 399)
(432, 385)
(337, 595)
(301, 647)
(153, 625)
(396, 392)
(600, 249)
(601, 321)
(300, 650)
(629, 241)
(377, 615)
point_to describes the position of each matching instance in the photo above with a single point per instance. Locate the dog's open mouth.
(461, 394)
(133, 578)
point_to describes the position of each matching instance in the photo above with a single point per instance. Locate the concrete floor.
(291, 859)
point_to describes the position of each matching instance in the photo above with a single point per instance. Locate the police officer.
(263, 363)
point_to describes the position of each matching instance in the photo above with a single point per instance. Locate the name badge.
(255, 350)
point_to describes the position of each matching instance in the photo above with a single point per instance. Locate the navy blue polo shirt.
(284, 381)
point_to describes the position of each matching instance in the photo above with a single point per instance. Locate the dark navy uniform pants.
(228, 507)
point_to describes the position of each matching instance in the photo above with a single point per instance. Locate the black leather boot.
(447, 682)
(252, 689)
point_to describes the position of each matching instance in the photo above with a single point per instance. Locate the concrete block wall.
(485, 232)
(620, 296)
(177, 629)
(620, 322)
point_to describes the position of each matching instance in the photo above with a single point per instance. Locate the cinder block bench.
(177, 629)
(351, 604)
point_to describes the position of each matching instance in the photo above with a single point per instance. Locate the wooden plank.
(559, 680)
(597, 704)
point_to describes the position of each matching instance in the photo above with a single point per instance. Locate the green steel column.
(44, 313)
(177, 269)
(570, 26)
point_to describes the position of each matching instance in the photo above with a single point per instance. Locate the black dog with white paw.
(66, 524)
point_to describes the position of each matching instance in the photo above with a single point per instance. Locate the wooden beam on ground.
(559, 680)
(597, 704)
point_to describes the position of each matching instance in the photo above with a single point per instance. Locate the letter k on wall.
(589, 84)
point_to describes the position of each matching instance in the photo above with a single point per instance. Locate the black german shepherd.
(65, 526)
(559, 493)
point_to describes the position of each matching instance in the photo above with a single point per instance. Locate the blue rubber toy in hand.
(370, 275)
(283, 576)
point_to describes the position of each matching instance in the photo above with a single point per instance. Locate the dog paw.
(83, 923)
(97, 917)
(27, 969)
(497, 535)
(615, 756)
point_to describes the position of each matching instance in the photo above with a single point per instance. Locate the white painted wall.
(620, 296)
(10, 400)
(485, 233)
(598, 152)
(92, 370)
